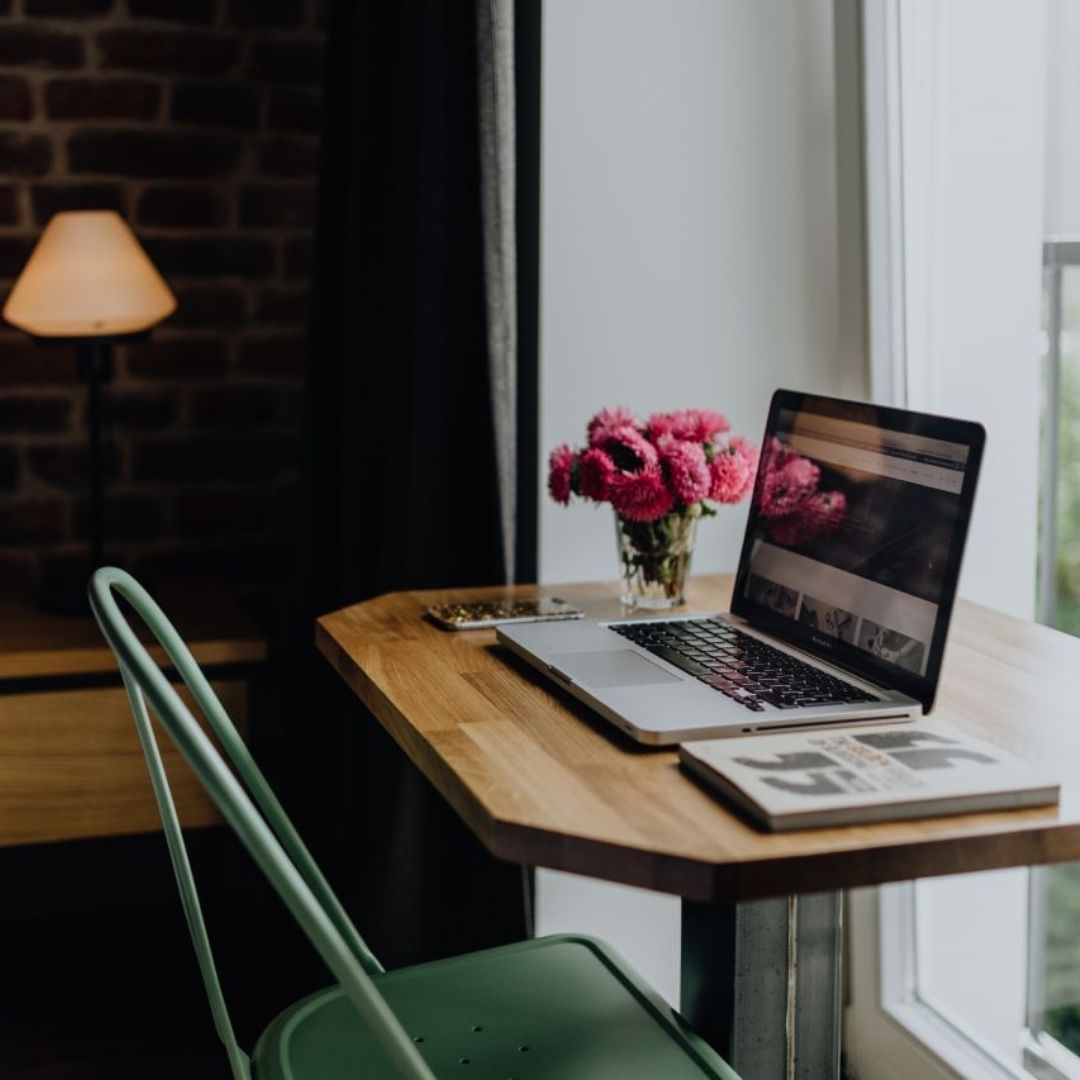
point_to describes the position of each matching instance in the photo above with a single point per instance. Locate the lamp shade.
(88, 277)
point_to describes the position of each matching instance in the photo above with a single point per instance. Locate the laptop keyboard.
(741, 667)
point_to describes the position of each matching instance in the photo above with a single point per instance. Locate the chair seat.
(559, 1006)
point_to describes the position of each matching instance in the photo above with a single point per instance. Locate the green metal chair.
(559, 1006)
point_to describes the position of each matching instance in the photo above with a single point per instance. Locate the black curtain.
(400, 488)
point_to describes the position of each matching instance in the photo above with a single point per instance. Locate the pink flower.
(690, 425)
(628, 449)
(783, 488)
(825, 511)
(595, 472)
(744, 448)
(776, 454)
(789, 531)
(608, 420)
(642, 495)
(560, 473)
(732, 471)
(686, 470)
(660, 425)
(817, 515)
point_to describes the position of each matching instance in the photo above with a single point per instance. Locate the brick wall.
(197, 120)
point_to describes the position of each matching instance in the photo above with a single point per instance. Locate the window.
(1053, 986)
(964, 974)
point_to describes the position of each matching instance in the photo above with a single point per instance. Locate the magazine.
(861, 774)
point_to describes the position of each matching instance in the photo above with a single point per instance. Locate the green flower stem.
(657, 553)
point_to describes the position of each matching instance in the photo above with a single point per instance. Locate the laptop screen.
(855, 535)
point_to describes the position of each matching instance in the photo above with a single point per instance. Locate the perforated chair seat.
(555, 1007)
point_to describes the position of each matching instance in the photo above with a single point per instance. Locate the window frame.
(891, 1031)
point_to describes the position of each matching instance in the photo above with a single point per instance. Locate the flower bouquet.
(659, 477)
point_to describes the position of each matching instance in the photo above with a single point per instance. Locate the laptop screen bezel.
(859, 662)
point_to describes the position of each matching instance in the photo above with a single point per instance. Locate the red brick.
(62, 573)
(214, 459)
(216, 104)
(49, 199)
(210, 306)
(126, 516)
(183, 358)
(287, 60)
(267, 560)
(293, 108)
(205, 257)
(67, 465)
(14, 251)
(23, 363)
(10, 205)
(234, 406)
(69, 9)
(139, 410)
(264, 14)
(168, 52)
(281, 307)
(296, 258)
(18, 571)
(292, 406)
(34, 413)
(15, 102)
(9, 468)
(34, 46)
(22, 154)
(151, 154)
(181, 207)
(181, 11)
(101, 99)
(32, 521)
(277, 206)
(280, 156)
(278, 354)
(219, 514)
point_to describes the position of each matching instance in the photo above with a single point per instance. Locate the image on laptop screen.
(856, 530)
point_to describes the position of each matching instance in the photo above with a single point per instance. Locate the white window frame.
(891, 1033)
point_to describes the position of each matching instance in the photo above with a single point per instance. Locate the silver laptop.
(841, 602)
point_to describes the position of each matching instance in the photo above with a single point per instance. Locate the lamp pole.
(93, 357)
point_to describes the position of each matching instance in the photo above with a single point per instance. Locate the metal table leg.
(761, 982)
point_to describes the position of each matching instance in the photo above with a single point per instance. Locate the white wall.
(688, 257)
(689, 222)
(1062, 209)
(974, 106)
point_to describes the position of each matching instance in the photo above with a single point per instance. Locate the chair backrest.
(254, 814)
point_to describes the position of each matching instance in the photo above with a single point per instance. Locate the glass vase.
(654, 558)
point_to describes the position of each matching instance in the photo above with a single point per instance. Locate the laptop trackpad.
(619, 667)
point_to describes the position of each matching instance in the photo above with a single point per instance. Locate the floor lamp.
(88, 284)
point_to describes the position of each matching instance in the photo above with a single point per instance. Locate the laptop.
(842, 597)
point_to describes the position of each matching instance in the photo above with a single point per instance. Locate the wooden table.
(71, 767)
(542, 781)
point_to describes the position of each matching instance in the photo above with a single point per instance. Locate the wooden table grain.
(542, 781)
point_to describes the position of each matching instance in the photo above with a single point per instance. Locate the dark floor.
(94, 987)
(103, 994)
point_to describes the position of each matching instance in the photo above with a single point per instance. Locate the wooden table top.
(542, 781)
(208, 614)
